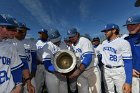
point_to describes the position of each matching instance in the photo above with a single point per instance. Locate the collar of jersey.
(113, 39)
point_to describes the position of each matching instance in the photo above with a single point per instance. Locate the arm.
(48, 65)
(127, 58)
(17, 77)
(26, 75)
(87, 58)
(34, 63)
(128, 71)
(24, 61)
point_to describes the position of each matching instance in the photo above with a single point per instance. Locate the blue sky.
(89, 16)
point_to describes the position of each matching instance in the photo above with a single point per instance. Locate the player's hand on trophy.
(126, 88)
(75, 74)
(59, 74)
(30, 87)
(136, 73)
(17, 89)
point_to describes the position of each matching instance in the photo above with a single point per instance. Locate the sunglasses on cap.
(11, 28)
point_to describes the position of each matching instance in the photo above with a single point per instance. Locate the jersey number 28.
(113, 58)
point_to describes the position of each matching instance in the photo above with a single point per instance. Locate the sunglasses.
(11, 28)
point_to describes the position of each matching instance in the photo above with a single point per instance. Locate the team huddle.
(110, 67)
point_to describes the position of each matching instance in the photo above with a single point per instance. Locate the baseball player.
(52, 79)
(97, 63)
(40, 72)
(97, 86)
(10, 71)
(68, 43)
(84, 51)
(15, 37)
(29, 49)
(117, 60)
(133, 26)
(55, 38)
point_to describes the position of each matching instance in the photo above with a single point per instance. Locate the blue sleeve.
(87, 58)
(128, 70)
(25, 63)
(34, 61)
(17, 75)
(49, 66)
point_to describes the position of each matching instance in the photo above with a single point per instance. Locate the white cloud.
(36, 8)
(45, 17)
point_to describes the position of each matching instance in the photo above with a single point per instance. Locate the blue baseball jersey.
(134, 41)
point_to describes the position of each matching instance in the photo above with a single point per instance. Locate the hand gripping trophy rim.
(67, 70)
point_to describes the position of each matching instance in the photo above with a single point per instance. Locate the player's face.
(43, 36)
(133, 28)
(96, 42)
(3, 33)
(7, 32)
(11, 34)
(21, 34)
(108, 34)
(74, 39)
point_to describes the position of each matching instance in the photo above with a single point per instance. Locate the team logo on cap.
(69, 32)
(53, 35)
(130, 19)
(42, 29)
(15, 21)
(113, 26)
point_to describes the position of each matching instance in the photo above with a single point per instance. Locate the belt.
(109, 66)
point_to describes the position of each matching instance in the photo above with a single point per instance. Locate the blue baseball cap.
(22, 25)
(133, 20)
(72, 32)
(66, 38)
(87, 36)
(54, 35)
(109, 27)
(43, 31)
(96, 39)
(137, 3)
(7, 20)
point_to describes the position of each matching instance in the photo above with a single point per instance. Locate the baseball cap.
(22, 25)
(43, 31)
(7, 20)
(109, 27)
(137, 3)
(54, 35)
(133, 20)
(87, 36)
(96, 39)
(72, 32)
